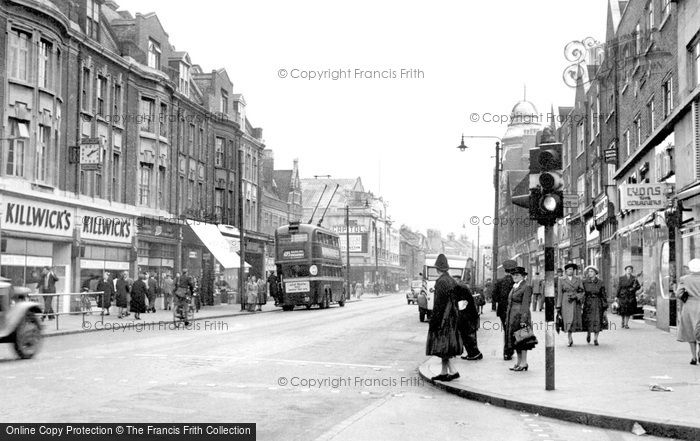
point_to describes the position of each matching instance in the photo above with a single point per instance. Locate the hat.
(694, 266)
(441, 263)
(571, 265)
(629, 266)
(591, 267)
(509, 265)
(519, 270)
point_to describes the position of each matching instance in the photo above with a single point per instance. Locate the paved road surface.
(343, 374)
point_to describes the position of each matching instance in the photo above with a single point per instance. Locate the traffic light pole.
(549, 305)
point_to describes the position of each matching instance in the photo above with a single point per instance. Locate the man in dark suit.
(500, 296)
(47, 285)
(152, 293)
(468, 323)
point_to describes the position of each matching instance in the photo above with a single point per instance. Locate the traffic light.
(550, 203)
(541, 193)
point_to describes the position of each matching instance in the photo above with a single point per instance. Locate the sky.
(399, 135)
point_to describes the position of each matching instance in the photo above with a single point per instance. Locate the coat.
(168, 286)
(444, 339)
(690, 312)
(518, 313)
(274, 288)
(570, 296)
(139, 291)
(468, 317)
(500, 295)
(152, 291)
(262, 292)
(595, 304)
(122, 294)
(47, 285)
(627, 288)
(107, 288)
(251, 291)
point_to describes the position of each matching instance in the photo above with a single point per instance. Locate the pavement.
(606, 386)
(95, 321)
(340, 374)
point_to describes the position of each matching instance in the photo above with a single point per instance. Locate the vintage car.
(19, 320)
(413, 291)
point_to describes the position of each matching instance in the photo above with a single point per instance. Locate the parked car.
(413, 291)
(19, 320)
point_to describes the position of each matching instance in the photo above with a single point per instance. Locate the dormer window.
(184, 84)
(153, 54)
(92, 22)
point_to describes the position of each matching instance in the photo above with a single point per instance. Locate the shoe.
(479, 356)
(452, 376)
(595, 343)
(571, 343)
(521, 368)
(507, 357)
(441, 377)
(514, 368)
(693, 362)
(588, 338)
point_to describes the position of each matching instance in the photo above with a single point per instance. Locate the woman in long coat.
(251, 294)
(518, 316)
(262, 293)
(627, 288)
(122, 297)
(444, 339)
(106, 286)
(594, 305)
(570, 297)
(139, 291)
(689, 289)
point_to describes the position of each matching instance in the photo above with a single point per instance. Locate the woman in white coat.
(689, 293)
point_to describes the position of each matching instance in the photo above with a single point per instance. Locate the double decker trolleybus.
(309, 266)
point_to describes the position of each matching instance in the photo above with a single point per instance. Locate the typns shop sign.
(105, 227)
(643, 196)
(37, 217)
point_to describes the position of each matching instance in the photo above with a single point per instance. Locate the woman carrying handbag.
(689, 294)
(518, 322)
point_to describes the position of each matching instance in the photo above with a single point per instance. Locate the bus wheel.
(341, 302)
(287, 307)
(308, 306)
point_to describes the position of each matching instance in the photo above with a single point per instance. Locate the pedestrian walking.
(196, 294)
(139, 294)
(152, 292)
(570, 296)
(444, 339)
(106, 286)
(626, 298)
(500, 297)
(359, 290)
(251, 293)
(168, 287)
(537, 291)
(262, 293)
(468, 322)
(688, 292)
(595, 304)
(274, 287)
(47, 285)
(122, 294)
(518, 317)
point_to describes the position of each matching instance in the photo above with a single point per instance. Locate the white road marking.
(338, 428)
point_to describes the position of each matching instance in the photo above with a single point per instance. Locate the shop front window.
(23, 260)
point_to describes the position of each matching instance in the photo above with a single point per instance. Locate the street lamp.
(496, 179)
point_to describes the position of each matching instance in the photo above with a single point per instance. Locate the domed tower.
(520, 136)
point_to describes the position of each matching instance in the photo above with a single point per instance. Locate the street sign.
(610, 156)
(570, 200)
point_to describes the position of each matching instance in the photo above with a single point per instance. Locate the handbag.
(524, 335)
(560, 323)
(684, 296)
(605, 324)
(615, 307)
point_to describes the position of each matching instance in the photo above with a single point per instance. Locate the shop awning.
(212, 238)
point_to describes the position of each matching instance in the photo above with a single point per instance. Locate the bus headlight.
(313, 270)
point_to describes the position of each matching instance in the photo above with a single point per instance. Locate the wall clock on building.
(90, 153)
